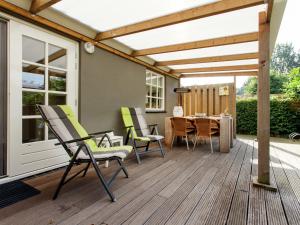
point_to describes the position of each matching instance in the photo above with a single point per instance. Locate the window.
(44, 81)
(155, 97)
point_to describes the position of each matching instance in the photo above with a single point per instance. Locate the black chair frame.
(92, 160)
(130, 136)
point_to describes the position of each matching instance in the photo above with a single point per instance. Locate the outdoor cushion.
(134, 117)
(155, 137)
(66, 125)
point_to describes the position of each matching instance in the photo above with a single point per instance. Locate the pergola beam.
(220, 68)
(269, 9)
(228, 74)
(203, 11)
(39, 5)
(209, 59)
(229, 40)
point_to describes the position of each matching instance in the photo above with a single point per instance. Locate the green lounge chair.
(139, 132)
(81, 146)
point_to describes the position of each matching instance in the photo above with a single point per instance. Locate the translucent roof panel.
(104, 15)
(186, 82)
(231, 23)
(249, 47)
(216, 64)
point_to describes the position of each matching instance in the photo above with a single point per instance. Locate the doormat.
(14, 192)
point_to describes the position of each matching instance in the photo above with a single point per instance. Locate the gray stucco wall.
(108, 82)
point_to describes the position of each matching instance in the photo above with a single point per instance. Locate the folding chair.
(81, 146)
(140, 133)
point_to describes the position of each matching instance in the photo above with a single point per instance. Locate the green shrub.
(284, 117)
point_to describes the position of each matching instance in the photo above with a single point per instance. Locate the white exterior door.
(43, 70)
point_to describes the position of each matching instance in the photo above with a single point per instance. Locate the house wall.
(108, 82)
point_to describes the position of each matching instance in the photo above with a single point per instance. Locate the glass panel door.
(3, 96)
(44, 72)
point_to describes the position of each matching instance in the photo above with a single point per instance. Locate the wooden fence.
(208, 99)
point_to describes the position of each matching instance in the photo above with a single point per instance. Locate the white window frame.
(152, 87)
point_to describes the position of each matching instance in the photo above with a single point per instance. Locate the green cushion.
(127, 119)
(81, 131)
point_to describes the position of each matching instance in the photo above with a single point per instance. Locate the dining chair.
(181, 127)
(205, 128)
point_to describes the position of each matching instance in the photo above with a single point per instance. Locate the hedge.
(284, 116)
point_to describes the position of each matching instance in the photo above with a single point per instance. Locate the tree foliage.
(284, 58)
(292, 87)
(277, 83)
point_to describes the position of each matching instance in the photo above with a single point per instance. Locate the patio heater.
(178, 110)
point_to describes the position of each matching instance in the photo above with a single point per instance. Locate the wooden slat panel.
(210, 101)
(217, 101)
(204, 100)
(199, 95)
(193, 105)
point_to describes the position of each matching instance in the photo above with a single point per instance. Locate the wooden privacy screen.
(207, 99)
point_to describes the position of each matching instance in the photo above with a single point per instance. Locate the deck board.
(185, 188)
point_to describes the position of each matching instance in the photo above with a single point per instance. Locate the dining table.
(224, 123)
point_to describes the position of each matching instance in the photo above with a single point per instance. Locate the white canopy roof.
(104, 15)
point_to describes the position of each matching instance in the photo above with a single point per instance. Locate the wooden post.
(234, 107)
(263, 105)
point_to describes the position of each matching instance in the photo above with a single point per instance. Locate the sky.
(289, 32)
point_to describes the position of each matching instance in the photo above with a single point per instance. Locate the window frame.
(46, 90)
(155, 86)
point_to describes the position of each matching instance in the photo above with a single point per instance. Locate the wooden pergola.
(261, 70)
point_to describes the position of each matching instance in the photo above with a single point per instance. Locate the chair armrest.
(100, 132)
(153, 125)
(74, 140)
(107, 137)
(130, 127)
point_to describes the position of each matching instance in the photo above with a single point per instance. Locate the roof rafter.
(223, 58)
(228, 40)
(179, 17)
(269, 9)
(227, 74)
(219, 68)
(39, 5)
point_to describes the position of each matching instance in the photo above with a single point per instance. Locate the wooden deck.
(187, 187)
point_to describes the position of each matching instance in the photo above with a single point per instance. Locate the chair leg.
(187, 142)
(136, 152)
(161, 148)
(173, 138)
(111, 195)
(86, 169)
(123, 167)
(195, 143)
(62, 181)
(147, 147)
(211, 146)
